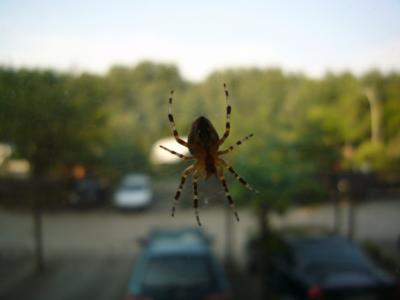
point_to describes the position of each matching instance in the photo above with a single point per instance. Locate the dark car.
(328, 267)
(178, 265)
(86, 192)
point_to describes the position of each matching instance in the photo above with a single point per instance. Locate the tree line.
(303, 127)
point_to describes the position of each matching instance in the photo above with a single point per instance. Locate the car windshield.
(330, 255)
(178, 271)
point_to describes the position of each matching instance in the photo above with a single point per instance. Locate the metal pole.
(343, 187)
(352, 219)
(228, 237)
(337, 213)
(376, 115)
(37, 230)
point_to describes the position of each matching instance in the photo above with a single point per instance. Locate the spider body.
(204, 143)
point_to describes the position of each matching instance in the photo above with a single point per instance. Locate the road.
(90, 254)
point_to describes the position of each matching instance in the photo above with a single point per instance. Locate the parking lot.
(89, 254)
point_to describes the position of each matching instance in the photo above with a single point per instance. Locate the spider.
(203, 144)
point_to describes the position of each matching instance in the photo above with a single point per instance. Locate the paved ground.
(67, 277)
(90, 254)
(376, 220)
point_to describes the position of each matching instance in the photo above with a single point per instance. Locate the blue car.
(178, 265)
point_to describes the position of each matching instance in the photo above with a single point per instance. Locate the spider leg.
(185, 173)
(195, 198)
(176, 153)
(237, 176)
(228, 195)
(239, 142)
(172, 122)
(228, 116)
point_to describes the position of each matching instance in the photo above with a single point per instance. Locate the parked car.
(327, 267)
(86, 192)
(178, 265)
(133, 192)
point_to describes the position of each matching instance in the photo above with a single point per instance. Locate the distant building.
(160, 156)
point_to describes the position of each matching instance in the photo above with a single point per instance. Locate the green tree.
(52, 119)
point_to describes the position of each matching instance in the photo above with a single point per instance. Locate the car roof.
(297, 239)
(188, 242)
(334, 247)
(178, 242)
(135, 179)
(317, 240)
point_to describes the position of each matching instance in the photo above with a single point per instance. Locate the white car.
(134, 192)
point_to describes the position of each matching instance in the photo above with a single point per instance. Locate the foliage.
(109, 123)
(52, 118)
(370, 155)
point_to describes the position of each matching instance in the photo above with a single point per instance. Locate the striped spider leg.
(172, 122)
(228, 117)
(228, 196)
(184, 175)
(181, 156)
(238, 177)
(195, 197)
(239, 142)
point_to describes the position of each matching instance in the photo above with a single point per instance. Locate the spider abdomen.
(203, 138)
(203, 143)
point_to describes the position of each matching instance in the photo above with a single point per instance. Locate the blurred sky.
(201, 36)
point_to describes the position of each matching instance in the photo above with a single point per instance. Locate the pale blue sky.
(308, 36)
